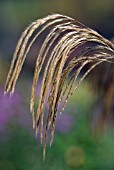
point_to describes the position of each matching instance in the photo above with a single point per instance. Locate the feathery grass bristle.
(64, 37)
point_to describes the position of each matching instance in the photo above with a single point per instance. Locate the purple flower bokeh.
(13, 111)
(65, 123)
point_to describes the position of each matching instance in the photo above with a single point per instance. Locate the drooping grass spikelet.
(68, 47)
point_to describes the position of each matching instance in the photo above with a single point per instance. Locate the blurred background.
(78, 143)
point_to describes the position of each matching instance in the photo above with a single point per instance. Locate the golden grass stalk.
(64, 37)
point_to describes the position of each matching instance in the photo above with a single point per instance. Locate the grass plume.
(65, 36)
